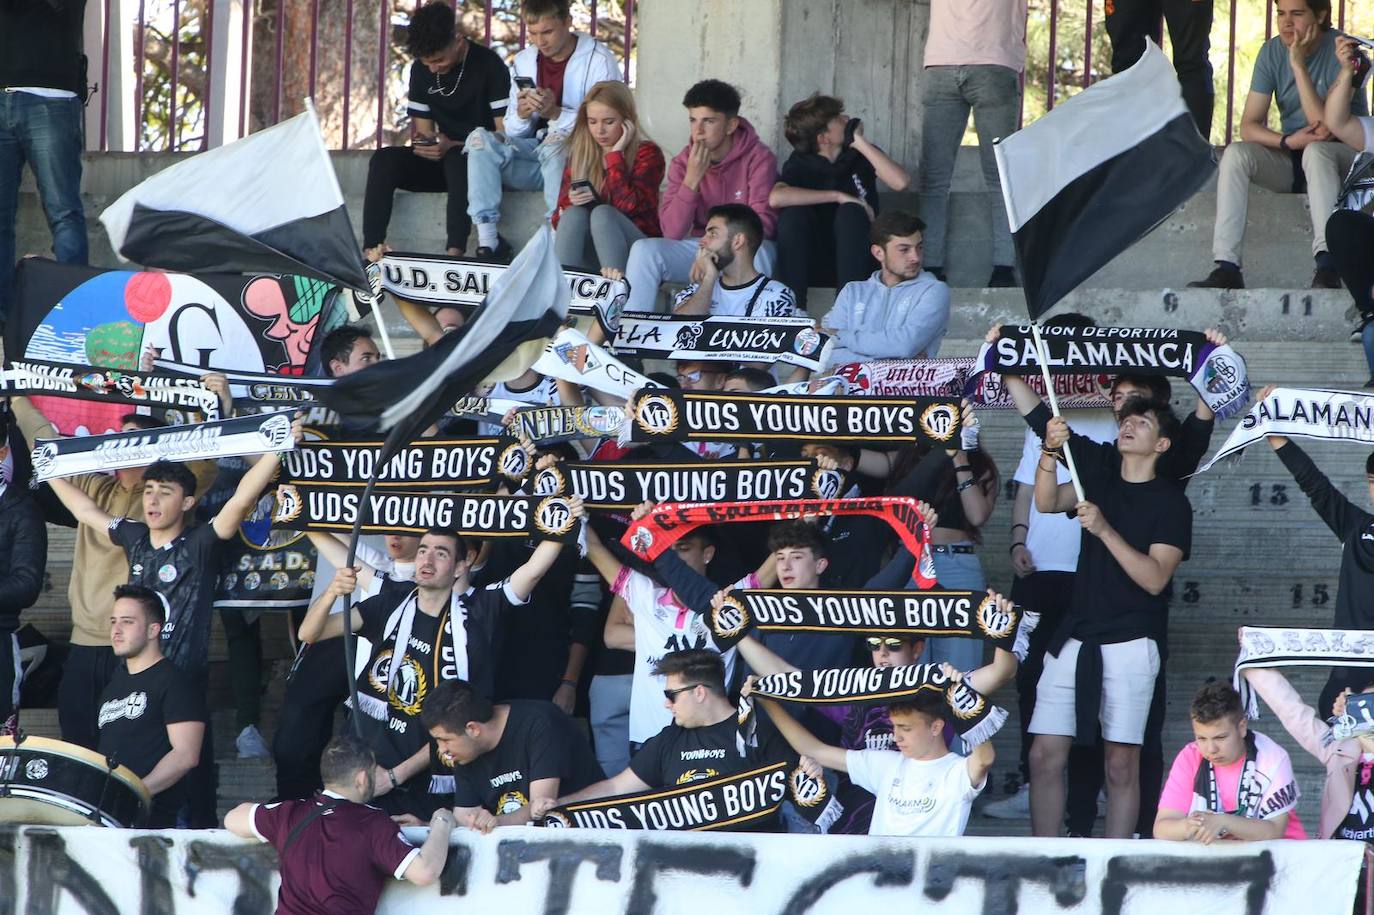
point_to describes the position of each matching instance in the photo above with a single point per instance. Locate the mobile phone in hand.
(582, 184)
(849, 130)
(524, 82)
(425, 141)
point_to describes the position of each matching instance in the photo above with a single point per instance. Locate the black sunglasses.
(672, 694)
(889, 644)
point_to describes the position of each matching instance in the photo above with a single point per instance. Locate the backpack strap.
(322, 806)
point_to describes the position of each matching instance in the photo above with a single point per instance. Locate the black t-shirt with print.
(539, 742)
(472, 94)
(850, 173)
(184, 572)
(135, 710)
(420, 672)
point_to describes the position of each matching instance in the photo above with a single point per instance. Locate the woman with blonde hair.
(609, 198)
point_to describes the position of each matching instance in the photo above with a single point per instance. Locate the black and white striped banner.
(791, 341)
(65, 457)
(257, 389)
(27, 377)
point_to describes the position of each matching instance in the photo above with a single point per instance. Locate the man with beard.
(724, 281)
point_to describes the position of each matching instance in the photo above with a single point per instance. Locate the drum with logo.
(61, 784)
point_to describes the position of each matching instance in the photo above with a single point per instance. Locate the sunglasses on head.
(889, 644)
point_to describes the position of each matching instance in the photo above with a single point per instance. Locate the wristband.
(565, 680)
(1013, 547)
(392, 775)
(1020, 524)
(964, 485)
(1283, 142)
(964, 469)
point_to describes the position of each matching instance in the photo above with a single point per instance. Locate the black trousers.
(1190, 28)
(317, 686)
(395, 168)
(244, 640)
(1350, 240)
(84, 677)
(9, 675)
(202, 782)
(822, 245)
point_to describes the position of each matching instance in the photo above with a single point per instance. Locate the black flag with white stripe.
(1096, 174)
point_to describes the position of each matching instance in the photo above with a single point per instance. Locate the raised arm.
(82, 506)
(251, 484)
(619, 631)
(1336, 114)
(992, 676)
(626, 782)
(803, 741)
(1051, 496)
(602, 558)
(319, 624)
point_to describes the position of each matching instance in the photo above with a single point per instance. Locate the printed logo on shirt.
(702, 754)
(167, 574)
(696, 775)
(510, 802)
(1280, 800)
(505, 778)
(131, 707)
(408, 689)
(907, 806)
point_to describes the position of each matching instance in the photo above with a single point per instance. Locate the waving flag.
(1089, 179)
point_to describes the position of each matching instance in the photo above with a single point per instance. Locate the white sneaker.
(1016, 807)
(251, 744)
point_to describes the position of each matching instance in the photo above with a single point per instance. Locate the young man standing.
(151, 716)
(456, 87)
(550, 78)
(828, 196)
(435, 629)
(1130, 22)
(337, 852)
(23, 557)
(724, 281)
(922, 788)
(725, 162)
(901, 311)
(505, 756)
(1296, 68)
(1102, 662)
(1230, 782)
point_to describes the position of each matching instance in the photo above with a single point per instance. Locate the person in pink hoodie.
(725, 162)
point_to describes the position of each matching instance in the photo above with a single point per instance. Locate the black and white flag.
(1333, 416)
(441, 281)
(268, 203)
(1086, 181)
(26, 377)
(791, 341)
(65, 457)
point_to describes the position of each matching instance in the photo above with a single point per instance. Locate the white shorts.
(1128, 684)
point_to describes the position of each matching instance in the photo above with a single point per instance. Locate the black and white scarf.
(950, 377)
(1249, 792)
(1326, 415)
(257, 389)
(570, 356)
(242, 435)
(375, 696)
(618, 485)
(966, 614)
(423, 465)
(1216, 372)
(549, 425)
(731, 417)
(27, 377)
(1289, 646)
(325, 507)
(485, 409)
(723, 338)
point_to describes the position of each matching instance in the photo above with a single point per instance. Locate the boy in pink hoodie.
(725, 162)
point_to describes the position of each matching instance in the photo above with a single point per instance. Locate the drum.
(61, 784)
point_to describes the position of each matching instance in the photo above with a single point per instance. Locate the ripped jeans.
(519, 163)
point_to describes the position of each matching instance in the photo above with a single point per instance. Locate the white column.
(229, 69)
(114, 70)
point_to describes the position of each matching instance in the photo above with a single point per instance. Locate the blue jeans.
(964, 572)
(1367, 338)
(519, 163)
(48, 134)
(993, 94)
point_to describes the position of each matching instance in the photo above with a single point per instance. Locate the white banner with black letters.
(792, 341)
(1326, 415)
(570, 356)
(28, 377)
(257, 389)
(65, 457)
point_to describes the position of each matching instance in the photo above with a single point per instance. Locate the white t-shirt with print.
(761, 298)
(915, 797)
(661, 625)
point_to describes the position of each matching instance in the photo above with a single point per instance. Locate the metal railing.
(1068, 49)
(190, 74)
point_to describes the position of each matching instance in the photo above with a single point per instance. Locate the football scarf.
(1216, 372)
(719, 803)
(966, 614)
(648, 537)
(1249, 791)
(570, 356)
(325, 507)
(423, 465)
(382, 685)
(485, 409)
(440, 281)
(721, 417)
(1287, 646)
(29, 377)
(549, 425)
(619, 485)
(974, 718)
(955, 378)
(255, 389)
(242, 435)
(791, 341)
(1343, 416)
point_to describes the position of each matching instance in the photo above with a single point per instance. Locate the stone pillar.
(230, 68)
(109, 45)
(776, 52)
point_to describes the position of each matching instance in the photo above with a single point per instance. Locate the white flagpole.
(381, 326)
(1040, 354)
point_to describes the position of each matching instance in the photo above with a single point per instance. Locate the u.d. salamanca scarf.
(27, 377)
(1326, 415)
(1288, 646)
(1216, 372)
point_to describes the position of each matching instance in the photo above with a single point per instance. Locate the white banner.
(1302, 413)
(570, 356)
(83, 870)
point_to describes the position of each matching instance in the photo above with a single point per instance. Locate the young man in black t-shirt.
(703, 742)
(456, 86)
(827, 196)
(504, 757)
(151, 718)
(1103, 660)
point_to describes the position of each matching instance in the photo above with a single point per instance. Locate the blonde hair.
(586, 158)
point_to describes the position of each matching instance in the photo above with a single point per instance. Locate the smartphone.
(849, 129)
(425, 141)
(1361, 69)
(524, 82)
(585, 185)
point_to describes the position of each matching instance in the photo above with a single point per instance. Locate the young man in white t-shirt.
(922, 787)
(724, 281)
